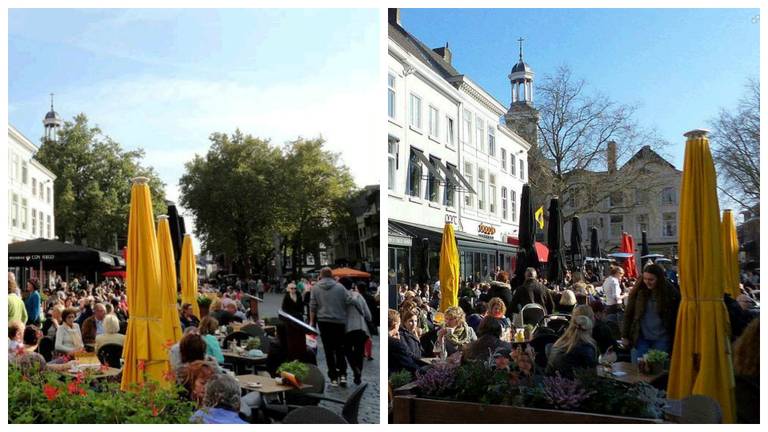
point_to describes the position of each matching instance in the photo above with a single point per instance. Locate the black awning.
(451, 178)
(463, 180)
(57, 254)
(432, 170)
(463, 240)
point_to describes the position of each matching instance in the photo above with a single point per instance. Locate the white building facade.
(30, 192)
(451, 159)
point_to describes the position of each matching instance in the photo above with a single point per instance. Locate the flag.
(540, 217)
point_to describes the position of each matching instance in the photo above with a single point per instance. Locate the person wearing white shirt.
(612, 290)
(68, 336)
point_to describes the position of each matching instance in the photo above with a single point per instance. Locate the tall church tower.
(52, 123)
(522, 117)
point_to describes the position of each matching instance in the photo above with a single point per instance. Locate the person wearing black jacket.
(293, 304)
(401, 355)
(531, 291)
(500, 288)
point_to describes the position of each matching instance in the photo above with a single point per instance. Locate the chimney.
(394, 16)
(610, 155)
(445, 53)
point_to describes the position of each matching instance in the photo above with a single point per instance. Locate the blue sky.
(165, 79)
(679, 65)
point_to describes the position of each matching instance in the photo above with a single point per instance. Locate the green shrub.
(204, 301)
(297, 368)
(656, 356)
(49, 397)
(399, 379)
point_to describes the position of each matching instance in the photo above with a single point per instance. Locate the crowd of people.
(49, 327)
(600, 319)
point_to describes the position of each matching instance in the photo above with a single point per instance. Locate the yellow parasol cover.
(188, 269)
(701, 357)
(168, 280)
(144, 352)
(730, 255)
(449, 270)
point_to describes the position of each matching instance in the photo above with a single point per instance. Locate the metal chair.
(313, 415)
(532, 313)
(110, 354)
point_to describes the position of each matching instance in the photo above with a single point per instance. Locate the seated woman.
(33, 363)
(410, 331)
(207, 330)
(567, 302)
(68, 337)
(193, 378)
(574, 350)
(111, 333)
(497, 310)
(488, 340)
(187, 317)
(400, 356)
(456, 333)
(31, 338)
(221, 402)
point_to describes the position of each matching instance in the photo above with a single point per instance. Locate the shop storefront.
(478, 256)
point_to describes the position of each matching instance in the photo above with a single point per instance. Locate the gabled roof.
(647, 154)
(416, 48)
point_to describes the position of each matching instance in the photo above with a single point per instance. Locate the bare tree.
(575, 129)
(736, 148)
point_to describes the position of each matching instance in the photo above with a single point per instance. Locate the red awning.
(542, 251)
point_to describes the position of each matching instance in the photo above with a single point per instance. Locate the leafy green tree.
(232, 194)
(315, 189)
(93, 184)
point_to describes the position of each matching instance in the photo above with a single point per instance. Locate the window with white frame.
(504, 203)
(450, 132)
(573, 197)
(15, 175)
(641, 196)
(669, 225)
(41, 191)
(24, 214)
(392, 152)
(434, 122)
(48, 225)
(48, 195)
(449, 193)
(512, 164)
(617, 225)
(433, 184)
(668, 196)
(467, 132)
(34, 187)
(481, 189)
(34, 222)
(491, 139)
(468, 200)
(522, 169)
(415, 111)
(414, 176)
(15, 210)
(391, 95)
(503, 158)
(513, 204)
(642, 223)
(492, 193)
(24, 171)
(479, 134)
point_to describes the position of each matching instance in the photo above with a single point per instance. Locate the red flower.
(155, 412)
(79, 377)
(50, 391)
(141, 365)
(73, 388)
(169, 375)
(82, 392)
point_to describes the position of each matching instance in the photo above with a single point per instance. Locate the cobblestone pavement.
(369, 406)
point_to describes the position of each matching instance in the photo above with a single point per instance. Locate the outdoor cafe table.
(627, 372)
(99, 374)
(238, 358)
(265, 385)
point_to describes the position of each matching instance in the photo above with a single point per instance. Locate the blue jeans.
(644, 345)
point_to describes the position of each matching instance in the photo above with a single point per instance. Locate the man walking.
(328, 308)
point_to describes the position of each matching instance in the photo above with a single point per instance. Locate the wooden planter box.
(412, 409)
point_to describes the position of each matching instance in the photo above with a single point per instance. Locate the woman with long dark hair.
(651, 314)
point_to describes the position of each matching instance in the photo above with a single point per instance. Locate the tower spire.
(521, 48)
(51, 101)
